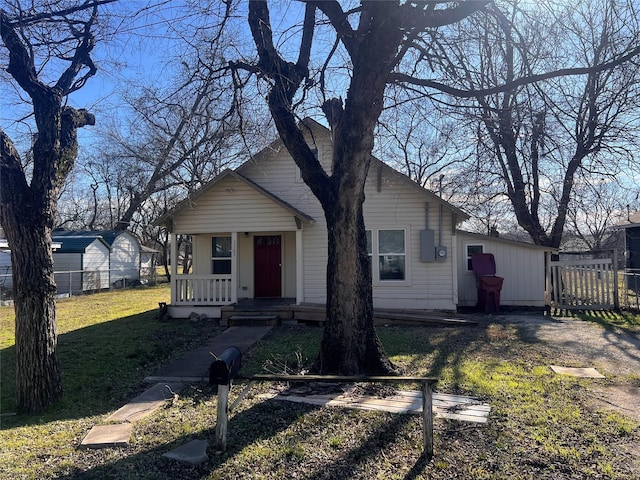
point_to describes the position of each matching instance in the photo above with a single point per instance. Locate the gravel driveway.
(613, 352)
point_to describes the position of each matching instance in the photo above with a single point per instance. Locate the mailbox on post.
(226, 367)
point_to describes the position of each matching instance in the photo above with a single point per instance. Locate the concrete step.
(253, 320)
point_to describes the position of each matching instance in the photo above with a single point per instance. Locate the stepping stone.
(105, 436)
(146, 403)
(577, 372)
(192, 453)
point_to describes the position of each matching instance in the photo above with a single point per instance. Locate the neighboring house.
(124, 253)
(81, 263)
(148, 262)
(631, 227)
(522, 265)
(258, 231)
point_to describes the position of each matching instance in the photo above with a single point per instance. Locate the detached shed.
(81, 264)
(521, 264)
(125, 257)
(124, 253)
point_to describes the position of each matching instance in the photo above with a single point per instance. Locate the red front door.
(268, 266)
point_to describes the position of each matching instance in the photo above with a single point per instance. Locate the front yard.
(541, 425)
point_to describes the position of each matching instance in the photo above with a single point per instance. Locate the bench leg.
(427, 418)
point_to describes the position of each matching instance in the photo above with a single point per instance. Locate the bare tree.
(420, 140)
(52, 39)
(597, 205)
(375, 37)
(174, 134)
(414, 45)
(537, 138)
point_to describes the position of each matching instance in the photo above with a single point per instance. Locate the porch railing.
(203, 290)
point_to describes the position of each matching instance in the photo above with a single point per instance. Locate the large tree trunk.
(350, 344)
(38, 380)
(27, 218)
(27, 213)
(375, 47)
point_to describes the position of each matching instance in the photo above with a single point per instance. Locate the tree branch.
(80, 58)
(21, 64)
(401, 78)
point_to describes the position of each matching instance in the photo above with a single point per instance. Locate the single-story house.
(124, 252)
(522, 265)
(258, 232)
(81, 264)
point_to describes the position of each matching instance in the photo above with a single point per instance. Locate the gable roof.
(108, 236)
(276, 145)
(76, 242)
(312, 125)
(191, 199)
(462, 215)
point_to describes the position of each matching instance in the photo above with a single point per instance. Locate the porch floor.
(260, 304)
(286, 310)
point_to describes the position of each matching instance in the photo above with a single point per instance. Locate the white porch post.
(299, 268)
(174, 268)
(234, 267)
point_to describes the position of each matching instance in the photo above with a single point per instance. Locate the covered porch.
(228, 268)
(243, 242)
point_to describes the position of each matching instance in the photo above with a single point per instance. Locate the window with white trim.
(221, 255)
(391, 255)
(388, 248)
(473, 249)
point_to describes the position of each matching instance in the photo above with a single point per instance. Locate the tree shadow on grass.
(614, 343)
(103, 365)
(245, 429)
(435, 351)
(249, 428)
(255, 446)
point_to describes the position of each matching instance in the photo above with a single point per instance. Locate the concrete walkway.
(169, 380)
(194, 366)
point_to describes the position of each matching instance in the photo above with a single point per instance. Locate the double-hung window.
(221, 255)
(391, 255)
(389, 249)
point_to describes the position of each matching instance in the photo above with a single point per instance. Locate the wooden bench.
(425, 387)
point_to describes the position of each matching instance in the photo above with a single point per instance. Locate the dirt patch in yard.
(623, 398)
(614, 352)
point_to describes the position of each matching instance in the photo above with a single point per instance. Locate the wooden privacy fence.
(582, 284)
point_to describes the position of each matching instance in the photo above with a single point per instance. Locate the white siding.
(233, 205)
(520, 264)
(392, 202)
(95, 263)
(396, 204)
(125, 258)
(245, 266)
(289, 264)
(276, 172)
